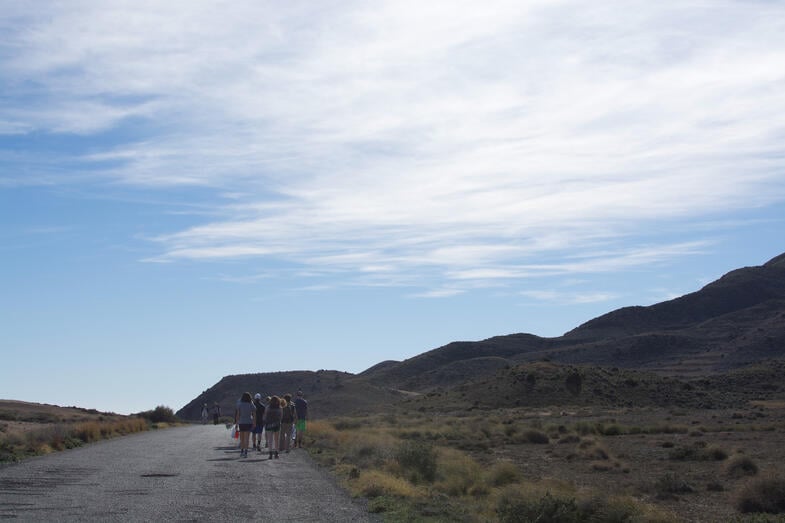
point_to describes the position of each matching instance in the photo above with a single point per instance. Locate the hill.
(730, 324)
(328, 392)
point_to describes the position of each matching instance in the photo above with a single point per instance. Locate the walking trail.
(190, 473)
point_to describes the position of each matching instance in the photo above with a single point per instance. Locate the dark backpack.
(288, 414)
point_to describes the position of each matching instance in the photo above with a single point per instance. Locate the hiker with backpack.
(272, 425)
(288, 417)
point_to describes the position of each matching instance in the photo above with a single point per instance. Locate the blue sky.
(193, 189)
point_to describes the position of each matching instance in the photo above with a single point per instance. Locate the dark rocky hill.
(328, 392)
(734, 322)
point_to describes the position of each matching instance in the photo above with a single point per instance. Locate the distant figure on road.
(243, 418)
(205, 414)
(288, 416)
(301, 408)
(216, 413)
(272, 425)
(258, 426)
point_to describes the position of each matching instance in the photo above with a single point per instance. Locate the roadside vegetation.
(511, 465)
(25, 433)
(414, 468)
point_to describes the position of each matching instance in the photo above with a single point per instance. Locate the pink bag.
(236, 432)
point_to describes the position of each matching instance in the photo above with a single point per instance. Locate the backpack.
(288, 414)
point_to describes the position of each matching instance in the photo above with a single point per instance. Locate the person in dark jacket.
(272, 425)
(258, 426)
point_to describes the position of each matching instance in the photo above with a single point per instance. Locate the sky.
(191, 189)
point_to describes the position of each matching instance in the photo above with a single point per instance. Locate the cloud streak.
(447, 146)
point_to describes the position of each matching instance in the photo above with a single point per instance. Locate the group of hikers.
(281, 420)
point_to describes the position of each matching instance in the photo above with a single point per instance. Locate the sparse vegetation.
(740, 466)
(417, 465)
(765, 494)
(39, 429)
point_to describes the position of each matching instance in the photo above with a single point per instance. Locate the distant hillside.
(547, 384)
(328, 392)
(734, 322)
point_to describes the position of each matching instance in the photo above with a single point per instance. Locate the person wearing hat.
(258, 425)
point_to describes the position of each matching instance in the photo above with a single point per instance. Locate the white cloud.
(410, 142)
(565, 298)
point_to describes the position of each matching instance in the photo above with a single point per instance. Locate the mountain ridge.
(735, 321)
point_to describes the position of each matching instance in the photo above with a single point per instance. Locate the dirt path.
(189, 473)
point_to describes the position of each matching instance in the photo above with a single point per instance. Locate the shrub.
(573, 383)
(458, 472)
(376, 483)
(765, 494)
(589, 449)
(698, 453)
(740, 466)
(504, 473)
(536, 436)
(417, 458)
(160, 414)
(609, 430)
(547, 509)
(670, 484)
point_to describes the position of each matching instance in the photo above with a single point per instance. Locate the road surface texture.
(183, 474)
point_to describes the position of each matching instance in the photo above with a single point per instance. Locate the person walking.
(301, 410)
(288, 416)
(244, 419)
(258, 426)
(216, 413)
(272, 425)
(205, 414)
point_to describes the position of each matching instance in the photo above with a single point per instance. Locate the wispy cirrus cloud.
(444, 145)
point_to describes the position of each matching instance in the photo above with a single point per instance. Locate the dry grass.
(34, 429)
(415, 465)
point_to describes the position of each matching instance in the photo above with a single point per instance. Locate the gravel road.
(190, 473)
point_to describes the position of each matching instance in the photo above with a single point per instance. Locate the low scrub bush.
(515, 506)
(670, 484)
(160, 414)
(593, 450)
(60, 436)
(512, 508)
(536, 436)
(418, 459)
(375, 483)
(766, 494)
(458, 473)
(502, 474)
(698, 453)
(740, 466)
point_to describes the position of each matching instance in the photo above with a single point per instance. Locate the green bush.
(160, 414)
(547, 509)
(504, 473)
(417, 458)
